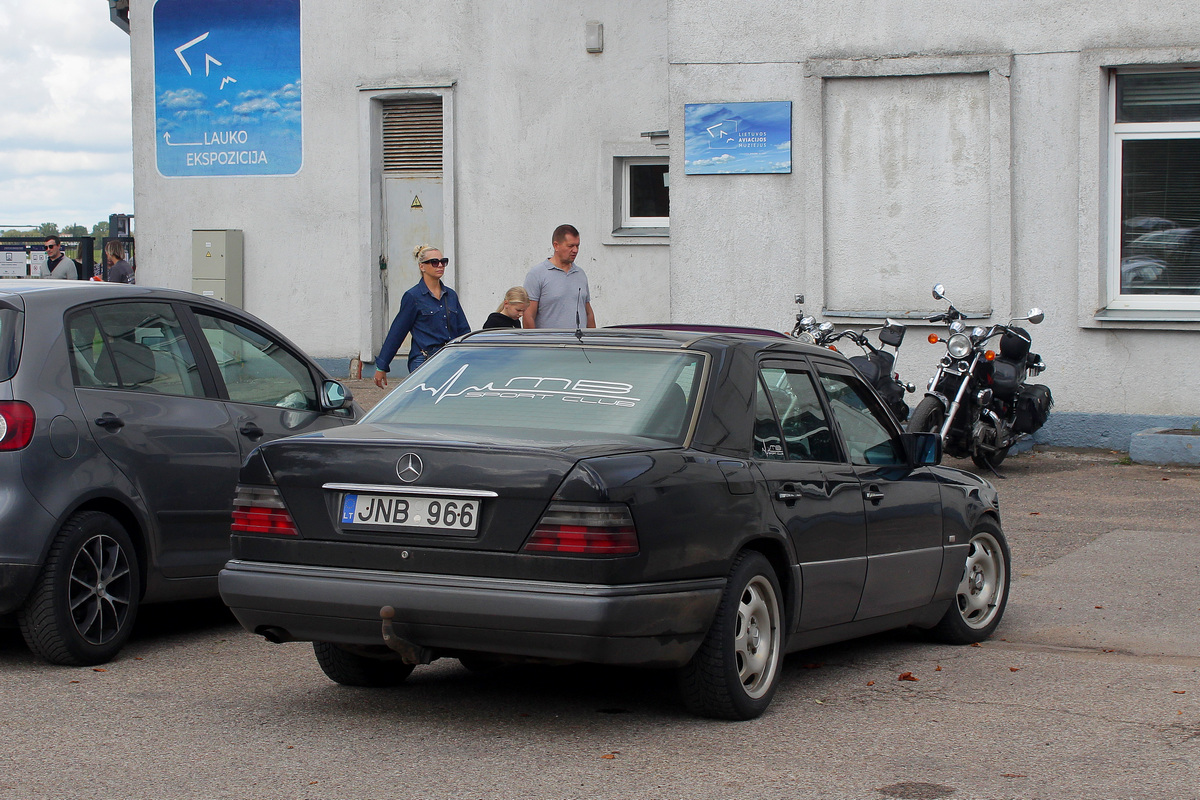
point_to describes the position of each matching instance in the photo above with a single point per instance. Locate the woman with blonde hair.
(430, 311)
(508, 314)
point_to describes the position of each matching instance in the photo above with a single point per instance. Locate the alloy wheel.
(100, 589)
(757, 636)
(981, 590)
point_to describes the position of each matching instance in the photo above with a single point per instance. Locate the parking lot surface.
(1090, 689)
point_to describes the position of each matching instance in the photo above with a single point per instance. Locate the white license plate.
(447, 514)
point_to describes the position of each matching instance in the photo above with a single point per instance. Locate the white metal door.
(412, 188)
(412, 216)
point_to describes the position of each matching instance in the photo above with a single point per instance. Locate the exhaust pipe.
(273, 634)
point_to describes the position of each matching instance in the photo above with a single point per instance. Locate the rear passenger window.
(138, 347)
(801, 419)
(768, 441)
(12, 328)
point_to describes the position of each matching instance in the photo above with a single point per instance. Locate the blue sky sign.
(227, 87)
(737, 138)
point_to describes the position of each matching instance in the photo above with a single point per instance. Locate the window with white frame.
(644, 193)
(1155, 172)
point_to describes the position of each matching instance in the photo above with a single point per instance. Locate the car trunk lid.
(384, 484)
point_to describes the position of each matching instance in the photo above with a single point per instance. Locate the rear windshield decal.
(533, 387)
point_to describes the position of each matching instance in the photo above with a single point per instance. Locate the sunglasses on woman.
(437, 262)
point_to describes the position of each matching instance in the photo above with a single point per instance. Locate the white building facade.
(1021, 154)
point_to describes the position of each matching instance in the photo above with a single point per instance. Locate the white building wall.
(535, 124)
(772, 233)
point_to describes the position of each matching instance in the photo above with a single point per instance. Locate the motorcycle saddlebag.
(1033, 407)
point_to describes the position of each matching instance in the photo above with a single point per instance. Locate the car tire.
(927, 417)
(735, 672)
(480, 664)
(982, 593)
(352, 669)
(83, 606)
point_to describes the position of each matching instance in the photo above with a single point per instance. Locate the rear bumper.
(649, 624)
(16, 581)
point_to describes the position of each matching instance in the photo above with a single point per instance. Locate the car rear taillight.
(260, 509)
(16, 424)
(584, 529)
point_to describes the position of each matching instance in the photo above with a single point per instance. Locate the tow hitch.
(409, 653)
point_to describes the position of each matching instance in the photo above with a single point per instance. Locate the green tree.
(48, 229)
(100, 230)
(75, 230)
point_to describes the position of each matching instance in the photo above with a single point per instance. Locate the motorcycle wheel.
(927, 417)
(989, 460)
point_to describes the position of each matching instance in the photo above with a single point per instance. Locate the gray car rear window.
(551, 393)
(11, 331)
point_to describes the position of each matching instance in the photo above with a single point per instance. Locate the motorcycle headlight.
(959, 345)
(806, 338)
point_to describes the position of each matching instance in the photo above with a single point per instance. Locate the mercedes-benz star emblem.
(409, 467)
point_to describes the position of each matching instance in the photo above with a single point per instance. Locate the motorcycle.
(978, 400)
(808, 331)
(876, 365)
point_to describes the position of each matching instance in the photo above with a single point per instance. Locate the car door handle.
(873, 494)
(790, 494)
(251, 431)
(110, 422)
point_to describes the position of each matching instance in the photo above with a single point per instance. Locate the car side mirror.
(923, 449)
(334, 396)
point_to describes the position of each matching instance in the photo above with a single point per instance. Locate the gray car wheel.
(735, 672)
(982, 593)
(84, 604)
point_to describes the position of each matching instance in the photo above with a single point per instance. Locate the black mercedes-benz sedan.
(698, 500)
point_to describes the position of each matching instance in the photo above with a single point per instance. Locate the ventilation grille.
(412, 135)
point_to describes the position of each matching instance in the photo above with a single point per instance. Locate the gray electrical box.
(217, 265)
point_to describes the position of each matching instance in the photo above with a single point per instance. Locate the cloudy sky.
(65, 131)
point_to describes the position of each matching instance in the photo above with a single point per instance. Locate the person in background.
(430, 311)
(119, 270)
(58, 265)
(508, 315)
(558, 290)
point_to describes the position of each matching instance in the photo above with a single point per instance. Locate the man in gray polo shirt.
(558, 290)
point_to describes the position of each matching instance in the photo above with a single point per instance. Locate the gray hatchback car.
(125, 412)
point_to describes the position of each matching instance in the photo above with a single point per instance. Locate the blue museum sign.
(735, 138)
(227, 89)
